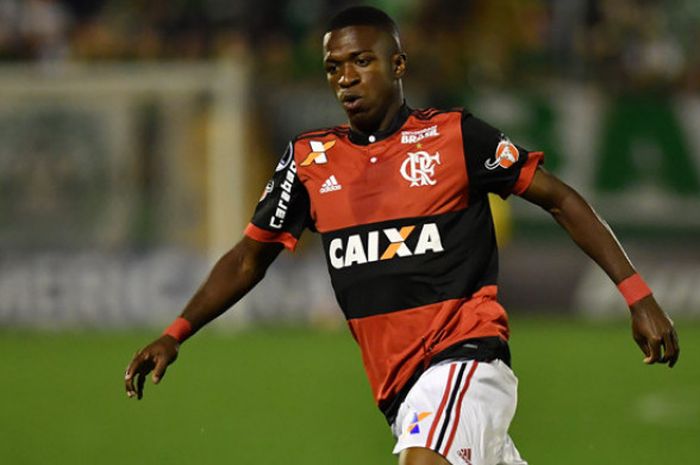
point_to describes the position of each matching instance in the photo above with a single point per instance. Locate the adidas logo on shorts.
(331, 184)
(466, 455)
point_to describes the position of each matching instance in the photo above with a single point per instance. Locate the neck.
(383, 121)
(390, 114)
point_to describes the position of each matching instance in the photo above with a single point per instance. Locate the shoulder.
(473, 126)
(310, 147)
(429, 122)
(321, 133)
(431, 113)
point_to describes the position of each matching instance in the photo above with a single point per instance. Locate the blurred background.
(136, 137)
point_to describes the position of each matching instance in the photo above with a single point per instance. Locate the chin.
(364, 120)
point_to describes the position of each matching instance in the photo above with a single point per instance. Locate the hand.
(652, 329)
(156, 356)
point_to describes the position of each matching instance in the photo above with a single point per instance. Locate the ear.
(398, 61)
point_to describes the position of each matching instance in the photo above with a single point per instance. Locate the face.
(364, 69)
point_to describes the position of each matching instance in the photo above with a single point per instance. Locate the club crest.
(419, 168)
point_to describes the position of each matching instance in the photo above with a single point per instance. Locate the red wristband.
(180, 329)
(633, 289)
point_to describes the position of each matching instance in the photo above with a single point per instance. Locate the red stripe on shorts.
(459, 408)
(445, 395)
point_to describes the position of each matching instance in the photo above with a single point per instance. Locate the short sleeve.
(494, 163)
(282, 213)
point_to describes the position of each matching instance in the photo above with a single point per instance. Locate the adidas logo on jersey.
(356, 249)
(331, 184)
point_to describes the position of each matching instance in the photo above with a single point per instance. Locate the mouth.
(351, 102)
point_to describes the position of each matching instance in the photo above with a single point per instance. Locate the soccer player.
(399, 197)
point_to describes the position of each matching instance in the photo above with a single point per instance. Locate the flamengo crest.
(419, 168)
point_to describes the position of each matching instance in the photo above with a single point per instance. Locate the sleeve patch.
(506, 155)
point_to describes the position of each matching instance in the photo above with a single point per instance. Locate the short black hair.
(365, 16)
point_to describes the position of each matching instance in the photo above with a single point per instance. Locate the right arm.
(233, 275)
(236, 273)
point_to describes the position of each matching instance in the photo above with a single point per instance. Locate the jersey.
(407, 231)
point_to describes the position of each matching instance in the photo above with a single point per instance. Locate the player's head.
(366, 16)
(364, 65)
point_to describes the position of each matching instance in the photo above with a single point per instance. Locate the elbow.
(554, 210)
(240, 266)
(555, 207)
(248, 261)
(251, 270)
(566, 200)
(256, 274)
(562, 207)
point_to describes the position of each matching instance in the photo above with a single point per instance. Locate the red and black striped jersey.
(407, 231)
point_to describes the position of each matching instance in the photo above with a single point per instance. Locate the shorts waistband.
(484, 349)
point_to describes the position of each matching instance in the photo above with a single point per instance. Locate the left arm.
(652, 329)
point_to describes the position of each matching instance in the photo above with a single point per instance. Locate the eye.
(331, 68)
(362, 62)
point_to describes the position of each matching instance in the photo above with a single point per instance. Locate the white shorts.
(461, 409)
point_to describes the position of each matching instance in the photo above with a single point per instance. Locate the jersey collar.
(360, 138)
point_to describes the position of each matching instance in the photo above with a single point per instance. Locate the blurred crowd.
(626, 42)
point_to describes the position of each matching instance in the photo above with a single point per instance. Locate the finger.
(642, 343)
(129, 383)
(669, 350)
(142, 371)
(672, 355)
(129, 375)
(140, 381)
(654, 353)
(159, 370)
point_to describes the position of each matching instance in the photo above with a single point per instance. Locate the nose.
(348, 76)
